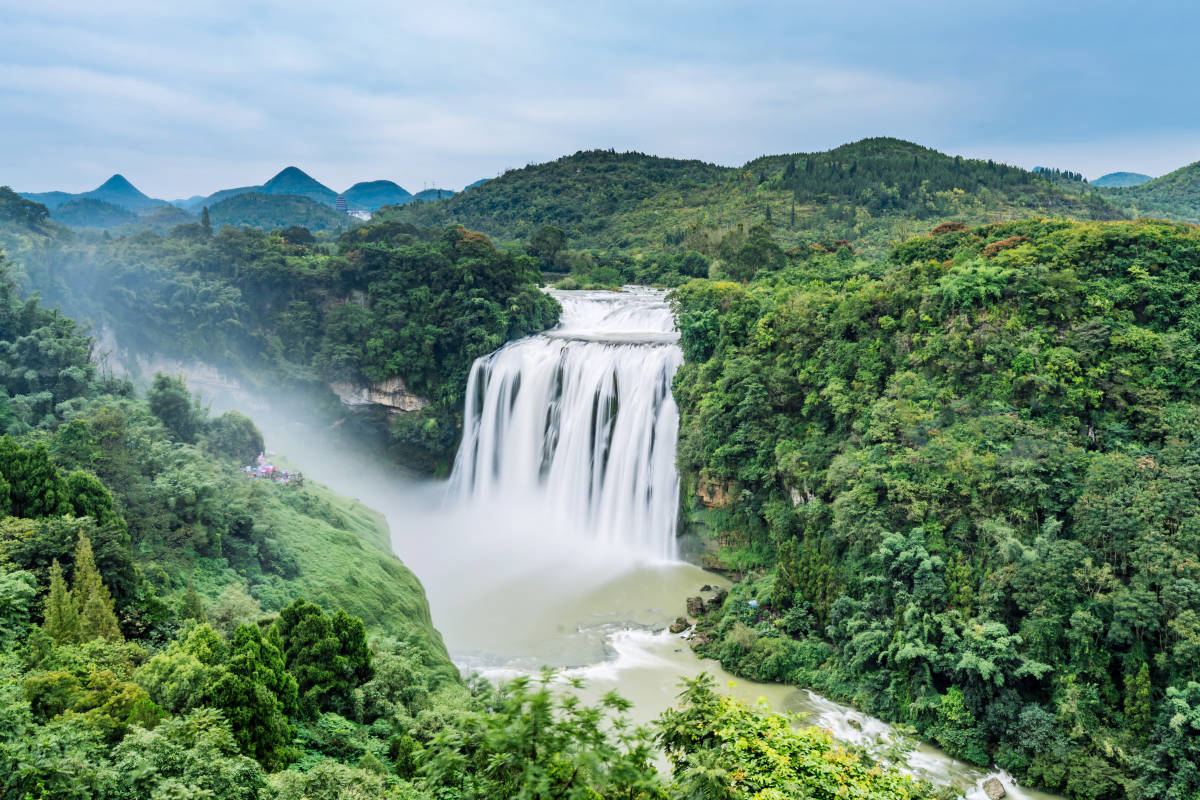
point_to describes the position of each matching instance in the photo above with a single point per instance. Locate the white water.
(580, 423)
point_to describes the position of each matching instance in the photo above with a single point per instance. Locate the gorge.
(553, 542)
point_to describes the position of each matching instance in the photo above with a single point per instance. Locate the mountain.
(289, 180)
(1114, 179)
(479, 182)
(273, 211)
(293, 180)
(370, 195)
(116, 190)
(120, 192)
(1175, 195)
(427, 195)
(870, 192)
(88, 212)
(50, 200)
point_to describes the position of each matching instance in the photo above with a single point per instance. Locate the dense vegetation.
(1173, 196)
(125, 674)
(276, 211)
(963, 487)
(87, 212)
(869, 192)
(388, 300)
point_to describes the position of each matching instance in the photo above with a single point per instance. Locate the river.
(553, 543)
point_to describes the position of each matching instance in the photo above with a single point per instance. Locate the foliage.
(272, 211)
(869, 192)
(391, 302)
(971, 468)
(720, 749)
(1175, 195)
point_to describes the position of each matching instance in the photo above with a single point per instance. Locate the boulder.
(994, 789)
(717, 599)
(695, 606)
(679, 625)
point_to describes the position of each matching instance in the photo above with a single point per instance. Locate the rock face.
(714, 495)
(994, 789)
(390, 394)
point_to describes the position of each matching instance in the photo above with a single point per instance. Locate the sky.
(189, 98)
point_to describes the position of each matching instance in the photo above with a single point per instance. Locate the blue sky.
(187, 98)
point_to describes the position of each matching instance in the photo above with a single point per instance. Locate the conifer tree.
(62, 616)
(97, 617)
(205, 222)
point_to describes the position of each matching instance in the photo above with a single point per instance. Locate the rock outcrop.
(390, 394)
(994, 789)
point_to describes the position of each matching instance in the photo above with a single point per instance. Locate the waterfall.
(578, 424)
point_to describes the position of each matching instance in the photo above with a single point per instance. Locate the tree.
(531, 742)
(205, 222)
(313, 655)
(97, 617)
(546, 243)
(61, 619)
(235, 436)
(255, 691)
(172, 403)
(35, 486)
(1137, 701)
(193, 607)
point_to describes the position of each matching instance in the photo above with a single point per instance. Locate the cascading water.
(580, 422)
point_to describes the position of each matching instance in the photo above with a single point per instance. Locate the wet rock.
(695, 606)
(679, 625)
(994, 789)
(853, 723)
(706, 588)
(717, 599)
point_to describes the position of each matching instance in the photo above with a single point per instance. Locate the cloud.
(188, 98)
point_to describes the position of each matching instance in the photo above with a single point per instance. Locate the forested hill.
(964, 485)
(385, 301)
(1175, 195)
(869, 192)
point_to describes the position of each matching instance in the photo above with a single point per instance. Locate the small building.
(340, 203)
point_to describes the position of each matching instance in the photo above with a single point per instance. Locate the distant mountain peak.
(118, 184)
(293, 180)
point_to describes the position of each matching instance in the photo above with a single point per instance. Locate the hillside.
(82, 212)
(370, 195)
(274, 211)
(288, 181)
(116, 191)
(868, 192)
(1175, 195)
(963, 486)
(1118, 179)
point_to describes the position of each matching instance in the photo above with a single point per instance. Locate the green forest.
(869, 192)
(380, 301)
(170, 628)
(960, 487)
